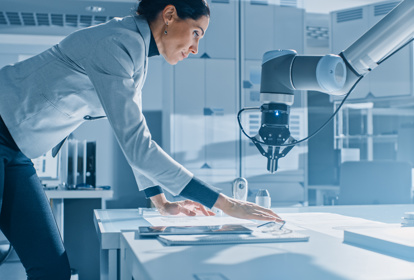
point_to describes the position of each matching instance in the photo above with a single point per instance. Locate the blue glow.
(277, 113)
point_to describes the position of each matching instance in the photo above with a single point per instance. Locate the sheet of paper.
(255, 237)
(327, 223)
(195, 221)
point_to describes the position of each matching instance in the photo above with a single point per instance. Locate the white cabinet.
(259, 30)
(393, 78)
(289, 26)
(220, 114)
(269, 27)
(204, 130)
(221, 38)
(188, 124)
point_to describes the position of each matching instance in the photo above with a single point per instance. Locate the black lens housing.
(274, 129)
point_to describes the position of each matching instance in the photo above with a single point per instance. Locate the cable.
(306, 138)
(394, 52)
(238, 119)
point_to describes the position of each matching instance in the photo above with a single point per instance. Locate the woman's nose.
(194, 48)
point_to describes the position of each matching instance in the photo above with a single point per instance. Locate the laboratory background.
(363, 156)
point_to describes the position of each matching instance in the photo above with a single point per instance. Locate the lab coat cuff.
(201, 192)
(153, 191)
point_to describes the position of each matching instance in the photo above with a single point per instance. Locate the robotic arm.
(284, 72)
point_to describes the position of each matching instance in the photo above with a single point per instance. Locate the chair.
(375, 182)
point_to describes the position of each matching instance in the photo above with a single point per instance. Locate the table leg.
(103, 264)
(113, 260)
(109, 264)
(319, 197)
(125, 262)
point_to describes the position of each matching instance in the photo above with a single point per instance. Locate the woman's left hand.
(244, 209)
(187, 207)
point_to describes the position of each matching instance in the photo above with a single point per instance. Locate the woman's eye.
(196, 34)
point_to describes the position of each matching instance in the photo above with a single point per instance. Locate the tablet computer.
(220, 229)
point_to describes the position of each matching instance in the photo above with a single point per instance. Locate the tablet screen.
(156, 230)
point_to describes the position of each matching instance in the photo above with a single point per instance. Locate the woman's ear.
(169, 14)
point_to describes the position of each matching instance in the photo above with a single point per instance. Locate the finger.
(198, 206)
(279, 219)
(211, 213)
(190, 203)
(262, 217)
(271, 213)
(203, 209)
(265, 211)
(187, 211)
(261, 213)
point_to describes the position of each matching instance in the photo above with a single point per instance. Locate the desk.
(323, 257)
(109, 225)
(57, 198)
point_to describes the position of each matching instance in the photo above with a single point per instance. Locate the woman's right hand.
(245, 210)
(186, 207)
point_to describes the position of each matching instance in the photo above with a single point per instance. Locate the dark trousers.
(26, 218)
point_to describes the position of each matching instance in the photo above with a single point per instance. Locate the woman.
(95, 72)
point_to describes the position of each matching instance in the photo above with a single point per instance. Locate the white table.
(323, 257)
(109, 225)
(73, 214)
(57, 198)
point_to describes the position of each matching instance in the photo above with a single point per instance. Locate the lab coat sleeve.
(112, 66)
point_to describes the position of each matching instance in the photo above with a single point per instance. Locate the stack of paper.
(392, 240)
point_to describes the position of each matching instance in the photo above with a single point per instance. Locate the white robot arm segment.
(396, 28)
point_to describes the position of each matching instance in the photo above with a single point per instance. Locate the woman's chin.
(171, 61)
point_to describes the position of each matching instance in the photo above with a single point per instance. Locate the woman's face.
(182, 38)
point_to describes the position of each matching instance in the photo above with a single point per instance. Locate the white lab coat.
(93, 72)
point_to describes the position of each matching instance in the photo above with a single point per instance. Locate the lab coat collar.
(144, 29)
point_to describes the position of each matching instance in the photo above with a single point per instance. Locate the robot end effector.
(284, 72)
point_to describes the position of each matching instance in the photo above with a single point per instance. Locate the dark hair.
(193, 9)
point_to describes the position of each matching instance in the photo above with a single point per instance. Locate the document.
(196, 221)
(328, 223)
(256, 237)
